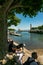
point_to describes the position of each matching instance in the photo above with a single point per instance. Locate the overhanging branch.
(16, 6)
(8, 4)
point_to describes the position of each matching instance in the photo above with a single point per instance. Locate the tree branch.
(7, 5)
(16, 6)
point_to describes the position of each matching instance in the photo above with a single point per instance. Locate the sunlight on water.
(30, 39)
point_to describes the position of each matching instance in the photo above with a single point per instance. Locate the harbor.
(31, 40)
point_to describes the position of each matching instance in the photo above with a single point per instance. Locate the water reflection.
(30, 39)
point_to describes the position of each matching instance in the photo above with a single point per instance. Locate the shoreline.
(40, 51)
(28, 54)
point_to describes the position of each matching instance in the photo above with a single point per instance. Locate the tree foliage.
(12, 19)
(28, 7)
(10, 29)
(2, 1)
(40, 27)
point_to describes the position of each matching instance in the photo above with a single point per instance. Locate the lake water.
(32, 40)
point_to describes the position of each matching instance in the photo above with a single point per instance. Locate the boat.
(15, 34)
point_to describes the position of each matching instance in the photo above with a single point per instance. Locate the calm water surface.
(31, 40)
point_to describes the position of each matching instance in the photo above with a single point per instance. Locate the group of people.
(19, 52)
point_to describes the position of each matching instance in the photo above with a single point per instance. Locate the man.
(31, 60)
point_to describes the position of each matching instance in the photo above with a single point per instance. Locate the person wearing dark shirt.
(31, 60)
(10, 46)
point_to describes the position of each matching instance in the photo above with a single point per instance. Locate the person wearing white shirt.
(20, 54)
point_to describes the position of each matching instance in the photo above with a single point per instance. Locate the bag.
(28, 62)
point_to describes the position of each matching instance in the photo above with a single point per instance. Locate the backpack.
(28, 62)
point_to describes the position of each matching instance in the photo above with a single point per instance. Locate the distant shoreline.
(36, 31)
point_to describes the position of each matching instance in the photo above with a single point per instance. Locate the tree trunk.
(3, 28)
(3, 34)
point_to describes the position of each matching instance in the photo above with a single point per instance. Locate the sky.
(26, 21)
